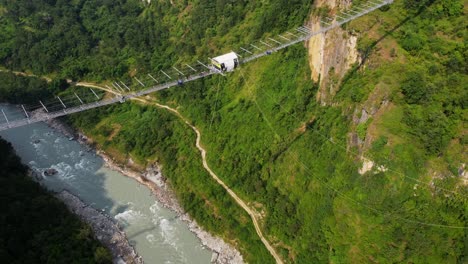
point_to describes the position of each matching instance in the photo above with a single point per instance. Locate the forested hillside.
(35, 227)
(100, 39)
(32, 88)
(297, 161)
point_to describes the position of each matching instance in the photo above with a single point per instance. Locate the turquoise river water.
(155, 232)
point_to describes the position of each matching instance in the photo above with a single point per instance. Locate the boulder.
(50, 172)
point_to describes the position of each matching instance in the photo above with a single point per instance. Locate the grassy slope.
(308, 185)
(270, 141)
(167, 140)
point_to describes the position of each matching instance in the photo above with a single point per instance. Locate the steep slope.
(299, 162)
(294, 147)
(331, 55)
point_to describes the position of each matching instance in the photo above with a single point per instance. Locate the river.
(155, 232)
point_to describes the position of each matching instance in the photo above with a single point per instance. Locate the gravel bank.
(104, 228)
(223, 253)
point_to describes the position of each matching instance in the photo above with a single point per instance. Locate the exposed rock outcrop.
(331, 54)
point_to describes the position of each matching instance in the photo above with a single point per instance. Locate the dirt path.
(92, 85)
(238, 200)
(199, 146)
(27, 74)
(253, 215)
(82, 84)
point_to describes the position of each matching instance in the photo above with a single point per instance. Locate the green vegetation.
(101, 40)
(35, 227)
(32, 88)
(167, 140)
(426, 73)
(361, 129)
(270, 140)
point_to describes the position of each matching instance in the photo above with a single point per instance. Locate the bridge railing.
(165, 79)
(292, 37)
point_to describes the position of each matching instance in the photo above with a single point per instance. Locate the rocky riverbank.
(104, 228)
(223, 253)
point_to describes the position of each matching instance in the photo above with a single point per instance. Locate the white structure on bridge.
(226, 63)
(178, 76)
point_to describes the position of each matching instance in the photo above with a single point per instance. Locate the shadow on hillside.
(369, 50)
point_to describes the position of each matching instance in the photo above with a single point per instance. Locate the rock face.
(331, 54)
(463, 174)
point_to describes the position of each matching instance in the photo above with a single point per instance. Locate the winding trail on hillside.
(25, 74)
(253, 215)
(92, 85)
(238, 200)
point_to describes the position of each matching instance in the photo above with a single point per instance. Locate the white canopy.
(230, 61)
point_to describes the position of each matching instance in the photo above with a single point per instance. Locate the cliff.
(332, 54)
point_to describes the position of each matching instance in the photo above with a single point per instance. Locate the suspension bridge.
(176, 76)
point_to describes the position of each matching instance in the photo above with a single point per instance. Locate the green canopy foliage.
(35, 227)
(266, 135)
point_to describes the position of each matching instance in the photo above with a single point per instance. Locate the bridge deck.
(125, 92)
